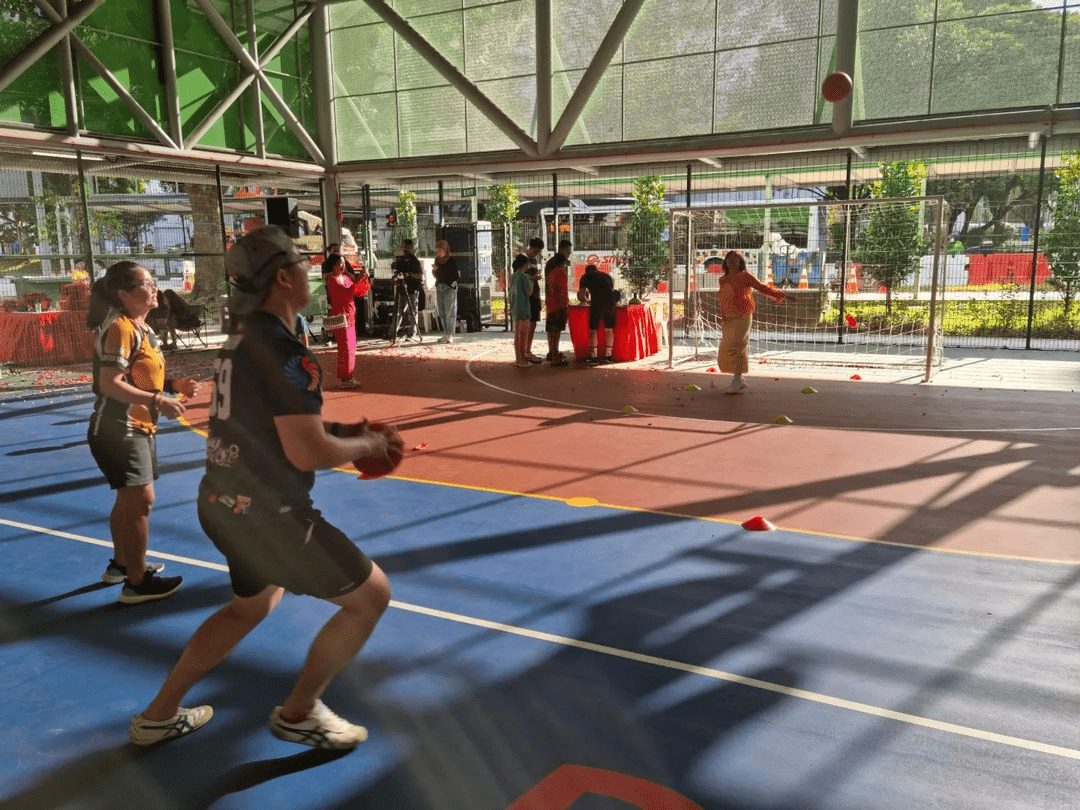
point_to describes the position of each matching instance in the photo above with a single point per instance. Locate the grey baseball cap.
(250, 266)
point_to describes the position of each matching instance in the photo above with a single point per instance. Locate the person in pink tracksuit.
(341, 291)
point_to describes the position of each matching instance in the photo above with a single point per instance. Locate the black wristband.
(333, 428)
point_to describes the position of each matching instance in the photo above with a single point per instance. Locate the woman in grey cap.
(266, 438)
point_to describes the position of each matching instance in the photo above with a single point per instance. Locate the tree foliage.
(405, 228)
(890, 246)
(1003, 198)
(1062, 242)
(645, 255)
(501, 210)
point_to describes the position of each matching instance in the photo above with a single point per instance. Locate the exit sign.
(468, 192)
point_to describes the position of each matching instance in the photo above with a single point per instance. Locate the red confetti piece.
(856, 377)
(421, 446)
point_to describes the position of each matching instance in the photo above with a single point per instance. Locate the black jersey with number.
(261, 373)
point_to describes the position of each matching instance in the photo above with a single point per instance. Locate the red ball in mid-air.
(836, 86)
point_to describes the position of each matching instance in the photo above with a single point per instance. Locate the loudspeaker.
(279, 212)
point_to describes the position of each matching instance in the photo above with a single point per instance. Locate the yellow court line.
(652, 660)
(726, 521)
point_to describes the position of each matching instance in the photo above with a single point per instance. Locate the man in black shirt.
(408, 283)
(266, 439)
(597, 290)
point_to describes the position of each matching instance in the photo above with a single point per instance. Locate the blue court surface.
(536, 655)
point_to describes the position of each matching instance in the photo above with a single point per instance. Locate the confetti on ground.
(421, 446)
(855, 377)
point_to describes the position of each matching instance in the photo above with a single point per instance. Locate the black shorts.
(534, 309)
(126, 460)
(556, 321)
(603, 313)
(295, 549)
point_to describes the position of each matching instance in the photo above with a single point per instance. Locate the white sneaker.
(444, 339)
(185, 721)
(321, 729)
(736, 387)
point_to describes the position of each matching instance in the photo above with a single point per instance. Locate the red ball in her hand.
(377, 467)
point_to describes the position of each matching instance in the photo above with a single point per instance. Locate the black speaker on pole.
(279, 211)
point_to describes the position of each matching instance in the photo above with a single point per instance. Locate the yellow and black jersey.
(132, 346)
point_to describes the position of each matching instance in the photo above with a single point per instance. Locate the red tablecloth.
(635, 333)
(45, 338)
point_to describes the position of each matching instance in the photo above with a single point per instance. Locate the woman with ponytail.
(131, 392)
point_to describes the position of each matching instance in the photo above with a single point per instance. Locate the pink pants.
(346, 351)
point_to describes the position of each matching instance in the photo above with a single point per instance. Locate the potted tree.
(645, 254)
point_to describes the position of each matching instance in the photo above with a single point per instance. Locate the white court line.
(652, 660)
(578, 405)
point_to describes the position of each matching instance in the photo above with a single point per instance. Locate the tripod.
(406, 315)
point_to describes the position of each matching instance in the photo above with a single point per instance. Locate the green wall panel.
(202, 82)
(36, 97)
(193, 32)
(279, 138)
(130, 18)
(135, 66)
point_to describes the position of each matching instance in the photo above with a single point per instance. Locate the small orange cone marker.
(783, 420)
(758, 524)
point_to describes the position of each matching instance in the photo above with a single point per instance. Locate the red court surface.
(963, 469)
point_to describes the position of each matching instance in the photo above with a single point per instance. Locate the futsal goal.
(863, 280)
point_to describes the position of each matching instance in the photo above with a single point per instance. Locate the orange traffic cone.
(804, 279)
(758, 524)
(853, 279)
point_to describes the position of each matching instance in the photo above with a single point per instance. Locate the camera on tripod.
(397, 271)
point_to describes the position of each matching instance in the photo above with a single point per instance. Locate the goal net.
(863, 280)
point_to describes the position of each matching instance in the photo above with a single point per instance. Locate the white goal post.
(864, 280)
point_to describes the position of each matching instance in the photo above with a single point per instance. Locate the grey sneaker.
(185, 721)
(117, 573)
(321, 729)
